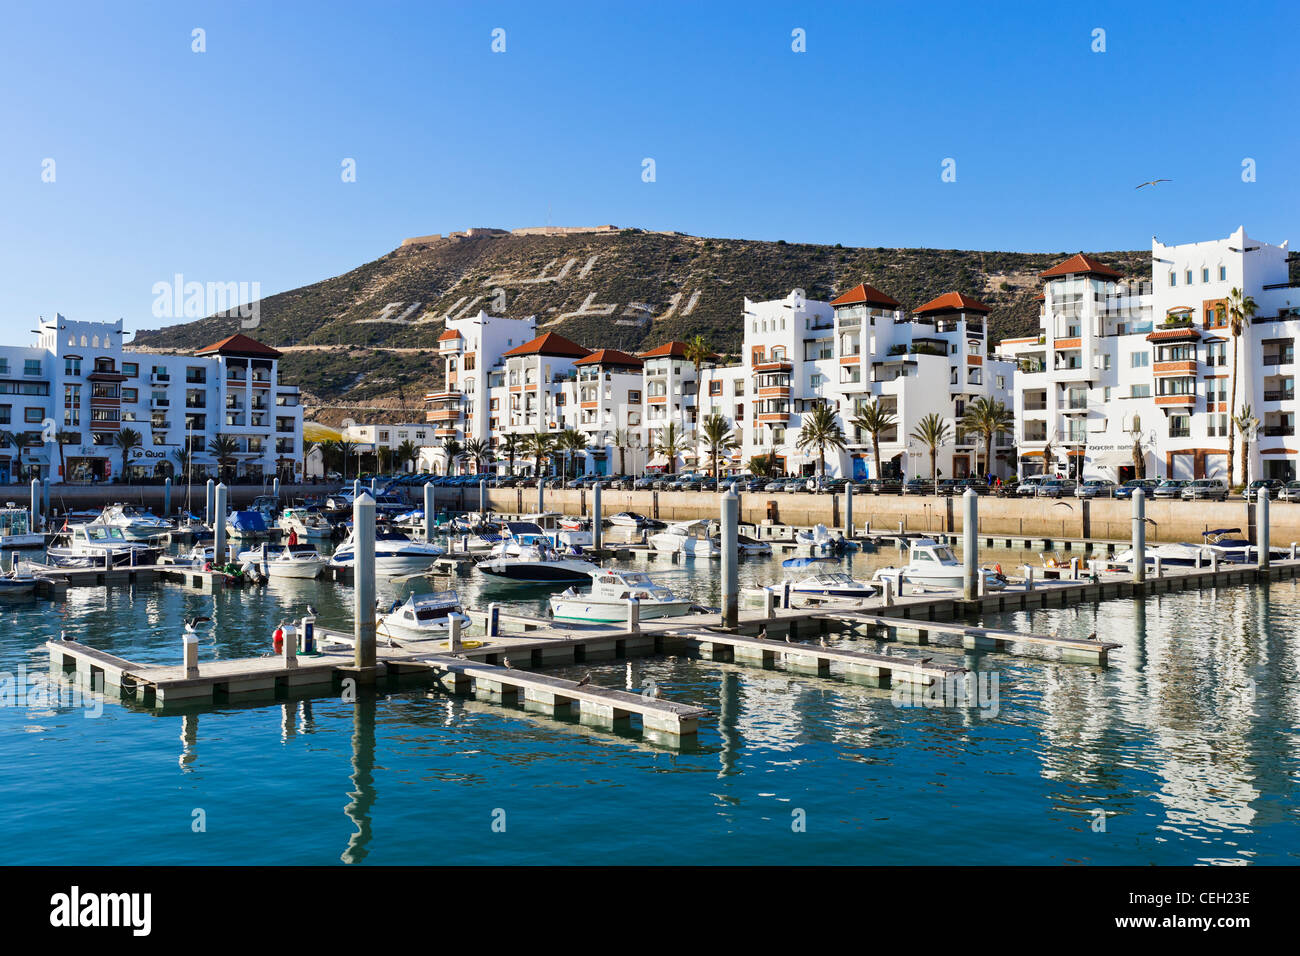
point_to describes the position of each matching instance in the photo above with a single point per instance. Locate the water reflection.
(363, 794)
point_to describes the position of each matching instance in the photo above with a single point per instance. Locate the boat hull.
(538, 572)
(611, 612)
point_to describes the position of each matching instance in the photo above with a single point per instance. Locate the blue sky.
(224, 166)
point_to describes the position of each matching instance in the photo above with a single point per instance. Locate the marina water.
(1184, 751)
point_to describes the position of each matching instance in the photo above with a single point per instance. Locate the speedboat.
(306, 522)
(135, 524)
(395, 553)
(935, 565)
(630, 519)
(95, 546)
(422, 616)
(16, 529)
(833, 584)
(691, 538)
(297, 561)
(819, 540)
(563, 532)
(20, 580)
(612, 592)
(536, 563)
(248, 525)
(1217, 542)
(752, 546)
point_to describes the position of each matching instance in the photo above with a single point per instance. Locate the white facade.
(80, 384)
(1147, 360)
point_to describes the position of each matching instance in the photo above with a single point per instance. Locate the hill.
(365, 340)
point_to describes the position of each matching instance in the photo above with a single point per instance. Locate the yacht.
(395, 553)
(16, 530)
(306, 522)
(248, 525)
(563, 532)
(91, 545)
(1218, 541)
(935, 565)
(630, 519)
(288, 562)
(533, 563)
(610, 594)
(134, 523)
(691, 538)
(819, 540)
(422, 616)
(833, 584)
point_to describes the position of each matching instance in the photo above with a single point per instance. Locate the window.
(1223, 273)
(740, 387)
(634, 397)
(1140, 391)
(1189, 276)
(1180, 426)
(973, 347)
(131, 369)
(1173, 279)
(71, 365)
(4, 366)
(1205, 275)
(1140, 359)
(1105, 393)
(130, 395)
(33, 415)
(715, 388)
(496, 406)
(1001, 380)
(6, 414)
(32, 367)
(1216, 353)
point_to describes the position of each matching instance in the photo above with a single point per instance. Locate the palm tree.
(1139, 459)
(539, 445)
(181, 457)
(511, 444)
(345, 448)
(760, 466)
(670, 443)
(477, 451)
(698, 351)
(406, 452)
(717, 436)
(1246, 422)
(222, 448)
(62, 438)
(987, 417)
(453, 450)
(127, 439)
(932, 432)
(1241, 309)
(622, 441)
(874, 420)
(821, 430)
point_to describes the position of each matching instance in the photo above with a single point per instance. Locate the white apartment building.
(66, 399)
(1148, 360)
(370, 438)
(858, 348)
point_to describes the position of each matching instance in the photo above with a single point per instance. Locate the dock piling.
(482, 497)
(36, 504)
(769, 603)
(493, 620)
(1139, 536)
(1261, 525)
(190, 651)
(430, 510)
(597, 531)
(730, 549)
(167, 496)
(289, 647)
(1160, 567)
(541, 495)
(634, 615)
(45, 502)
(363, 530)
(970, 543)
(209, 502)
(275, 489)
(1029, 577)
(886, 591)
(848, 511)
(453, 635)
(219, 523)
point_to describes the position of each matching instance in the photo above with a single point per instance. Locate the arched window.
(94, 342)
(778, 353)
(83, 340)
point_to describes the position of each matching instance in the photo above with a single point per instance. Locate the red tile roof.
(868, 294)
(239, 344)
(449, 335)
(1080, 264)
(1161, 335)
(952, 302)
(611, 357)
(673, 349)
(550, 344)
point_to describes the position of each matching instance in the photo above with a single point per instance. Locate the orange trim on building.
(1068, 343)
(974, 360)
(1173, 368)
(1175, 399)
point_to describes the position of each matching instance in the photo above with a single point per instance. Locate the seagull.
(926, 660)
(762, 634)
(1092, 636)
(192, 622)
(1152, 182)
(787, 638)
(585, 680)
(311, 611)
(505, 662)
(823, 642)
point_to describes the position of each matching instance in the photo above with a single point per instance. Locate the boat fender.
(277, 639)
(998, 568)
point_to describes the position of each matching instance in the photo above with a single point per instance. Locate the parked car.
(1146, 484)
(830, 486)
(884, 486)
(1270, 486)
(1206, 489)
(1291, 492)
(1029, 486)
(949, 486)
(1056, 488)
(918, 486)
(1096, 488)
(978, 485)
(1170, 488)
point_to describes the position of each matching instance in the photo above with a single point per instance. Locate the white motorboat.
(94, 546)
(935, 565)
(135, 524)
(18, 581)
(752, 547)
(630, 519)
(611, 593)
(1217, 542)
(306, 522)
(563, 532)
(819, 540)
(395, 553)
(288, 562)
(535, 563)
(422, 616)
(833, 584)
(691, 538)
(16, 530)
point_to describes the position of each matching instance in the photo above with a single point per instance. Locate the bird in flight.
(1152, 182)
(585, 680)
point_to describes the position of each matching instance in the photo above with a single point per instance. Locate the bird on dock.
(926, 660)
(311, 611)
(585, 680)
(823, 642)
(787, 638)
(1092, 636)
(505, 662)
(762, 634)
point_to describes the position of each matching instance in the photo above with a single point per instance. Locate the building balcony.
(1279, 358)
(1176, 400)
(1278, 431)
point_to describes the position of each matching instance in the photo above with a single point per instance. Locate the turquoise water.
(1186, 746)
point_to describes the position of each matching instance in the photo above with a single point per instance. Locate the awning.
(659, 461)
(1113, 458)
